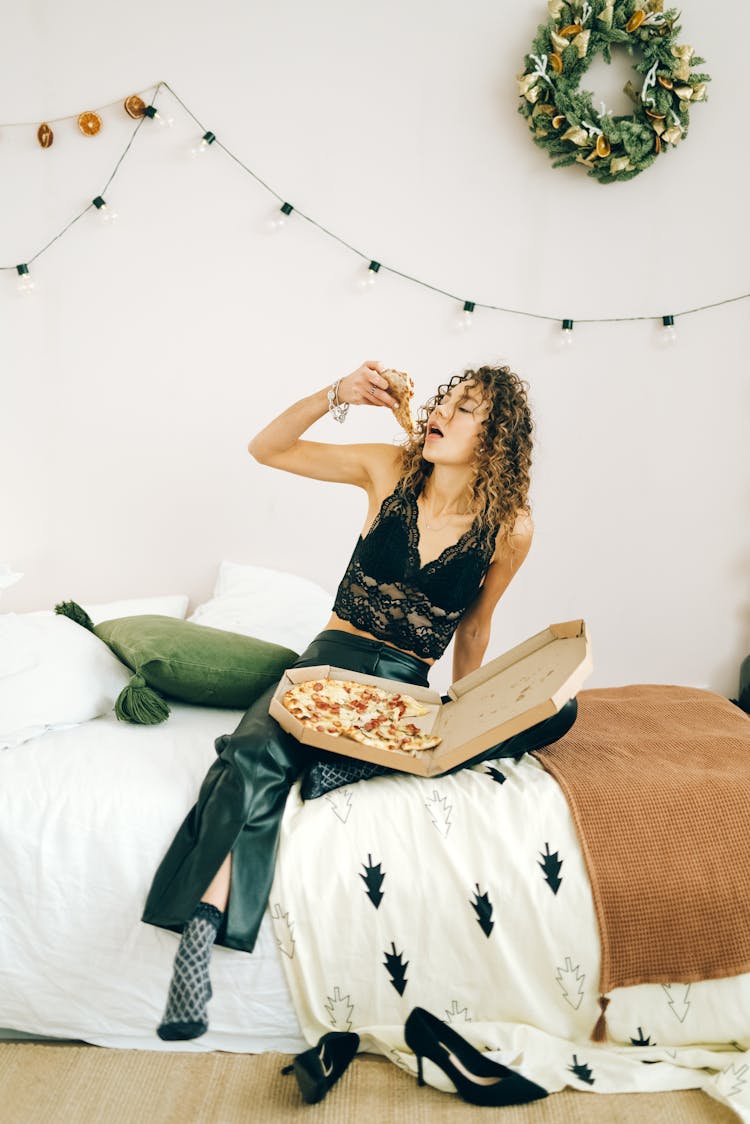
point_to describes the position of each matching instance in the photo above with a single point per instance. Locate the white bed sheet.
(86, 814)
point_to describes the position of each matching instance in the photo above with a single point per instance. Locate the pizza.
(361, 712)
(401, 387)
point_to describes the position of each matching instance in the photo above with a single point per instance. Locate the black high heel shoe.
(477, 1079)
(320, 1067)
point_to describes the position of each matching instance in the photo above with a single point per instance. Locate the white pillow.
(270, 605)
(7, 576)
(173, 606)
(52, 672)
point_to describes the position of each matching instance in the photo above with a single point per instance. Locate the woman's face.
(454, 424)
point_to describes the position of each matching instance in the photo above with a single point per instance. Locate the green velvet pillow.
(186, 661)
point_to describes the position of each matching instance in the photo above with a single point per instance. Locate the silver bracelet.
(337, 409)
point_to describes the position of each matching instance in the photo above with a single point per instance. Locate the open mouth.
(434, 431)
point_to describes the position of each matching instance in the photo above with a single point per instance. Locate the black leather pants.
(242, 798)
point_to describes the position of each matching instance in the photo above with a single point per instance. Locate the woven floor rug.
(52, 1084)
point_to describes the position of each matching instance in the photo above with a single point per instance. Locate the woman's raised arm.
(279, 444)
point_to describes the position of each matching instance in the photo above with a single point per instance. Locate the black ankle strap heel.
(319, 1068)
(478, 1080)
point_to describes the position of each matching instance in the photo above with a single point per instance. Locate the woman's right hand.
(366, 386)
(279, 445)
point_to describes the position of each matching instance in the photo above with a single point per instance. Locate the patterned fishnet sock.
(190, 989)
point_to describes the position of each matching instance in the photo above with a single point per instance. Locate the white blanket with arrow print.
(468, 895)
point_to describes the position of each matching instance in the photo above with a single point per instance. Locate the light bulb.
(465, 318)
(668, 332)
(564, 338)
(25, 281)
(106, 213)
(277, 222)
(203, 145)
(366, 281)
(165, 120)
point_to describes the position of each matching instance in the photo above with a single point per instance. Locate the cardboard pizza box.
(509, 694)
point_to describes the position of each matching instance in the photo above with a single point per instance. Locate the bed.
(362, 922)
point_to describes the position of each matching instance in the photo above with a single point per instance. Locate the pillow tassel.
(140, 703)
(74, 612)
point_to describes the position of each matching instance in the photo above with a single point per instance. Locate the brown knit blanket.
(658, 782)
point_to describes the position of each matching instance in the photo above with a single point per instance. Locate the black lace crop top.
(388, 593)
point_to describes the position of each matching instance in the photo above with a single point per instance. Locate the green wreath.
(562, 118)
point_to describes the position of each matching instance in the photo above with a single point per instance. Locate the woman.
(448, 526)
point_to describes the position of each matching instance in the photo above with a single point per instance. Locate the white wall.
(133, 379)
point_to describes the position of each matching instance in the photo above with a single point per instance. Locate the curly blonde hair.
(499, 489)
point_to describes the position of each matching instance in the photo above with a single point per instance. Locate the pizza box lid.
(509, 694)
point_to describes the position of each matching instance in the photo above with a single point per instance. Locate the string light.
(205, 143)
(366, 282)
(465, 316)
(107, 215)
(166, 121)
(565, 336)
(25, 281)
(668, 333)
(278, 220)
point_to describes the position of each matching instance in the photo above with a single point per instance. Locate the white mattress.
(86, 814)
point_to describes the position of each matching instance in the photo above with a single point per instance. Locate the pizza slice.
(401, 387)
(403, 705)
(407, 706)
(415, 740)
(391, 737)
(307, 702)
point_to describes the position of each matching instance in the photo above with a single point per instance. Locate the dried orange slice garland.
(562, 117)
(89, 123)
